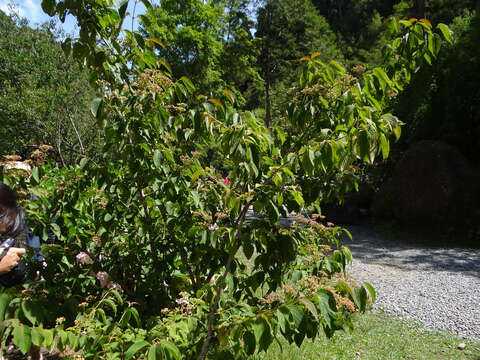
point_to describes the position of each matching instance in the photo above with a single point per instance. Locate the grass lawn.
(379, 336)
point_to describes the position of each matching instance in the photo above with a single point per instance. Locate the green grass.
(378, 336)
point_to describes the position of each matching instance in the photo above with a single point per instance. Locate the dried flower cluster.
(152, 81)
(83, 258)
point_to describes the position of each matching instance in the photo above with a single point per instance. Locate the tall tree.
(289, 30)
(191, 31)
(209, 42)
(241, 49)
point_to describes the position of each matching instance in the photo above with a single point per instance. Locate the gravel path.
(437, 286)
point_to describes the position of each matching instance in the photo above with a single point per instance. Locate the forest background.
(251, 47)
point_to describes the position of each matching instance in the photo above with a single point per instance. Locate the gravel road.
(439, 287)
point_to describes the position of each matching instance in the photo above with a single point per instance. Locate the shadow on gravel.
(369, 246)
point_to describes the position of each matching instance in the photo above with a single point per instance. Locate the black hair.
(12, 217)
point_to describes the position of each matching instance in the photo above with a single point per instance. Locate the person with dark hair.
(12, 227)
(13, 231)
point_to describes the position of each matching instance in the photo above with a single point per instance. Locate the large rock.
(433, 184)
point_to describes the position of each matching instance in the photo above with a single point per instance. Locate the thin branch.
(133, 14)
(78, 135)
(220, 285)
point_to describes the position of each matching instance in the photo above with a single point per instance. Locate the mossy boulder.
(433, 184)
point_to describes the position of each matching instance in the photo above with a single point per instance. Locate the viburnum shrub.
(157, 256)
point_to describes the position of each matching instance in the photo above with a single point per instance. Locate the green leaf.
(371, 291)
(310, 307)
(47, 337)
(249, 342)
(136, 316)
(397, 130)
(382, 77)
(445, 30)
(299, 337)
(83, 163)
(164, 351)
(117, 296)
(155, 352)
(33, 311)
(360, 298)
(56, 229)
(157, 158)
(296, 314)
(63, 335)
(406, 23)
(323, 303)
(188, 84)
(364, 146)
(156, 41)
(36, 174)
(165, 64)
(337, 66)
(67, 47)
(72, 340)
(37, 336)
(258, 327)
(427, 58)
(95, 106)
(307, 161)
(171, 351)
(22, 338)
(147, 3)
(111, 304)
(136, 347)
(229, 95)
(262, 332)
(298, 197)
(248, 250)
(49, 7)
(4, 302)
(281, 314)
(384, 146)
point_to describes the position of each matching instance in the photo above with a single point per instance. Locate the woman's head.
(11, 216)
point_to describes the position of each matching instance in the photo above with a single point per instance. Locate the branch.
(219, 288)
(78, 135)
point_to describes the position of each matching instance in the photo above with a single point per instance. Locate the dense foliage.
(43, 96)
(158, 256)
(447, 109)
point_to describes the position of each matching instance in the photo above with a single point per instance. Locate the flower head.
(104, 278)
(83, 258)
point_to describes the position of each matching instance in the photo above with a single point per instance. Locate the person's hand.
(11, 260)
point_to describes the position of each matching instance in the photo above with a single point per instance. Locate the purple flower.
(213, 227)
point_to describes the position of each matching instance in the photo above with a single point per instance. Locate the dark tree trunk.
(268, 102)
(419, 9)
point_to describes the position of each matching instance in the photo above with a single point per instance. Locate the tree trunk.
(419, 9)
(268, 100)
(268, 103)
